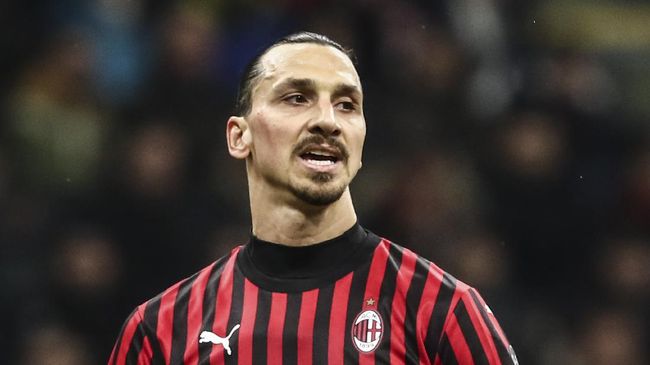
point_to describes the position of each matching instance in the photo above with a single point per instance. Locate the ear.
(239, 137)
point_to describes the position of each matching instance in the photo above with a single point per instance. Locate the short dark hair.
(253, 70)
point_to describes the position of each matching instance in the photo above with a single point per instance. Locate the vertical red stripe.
(195, 316)
(306, 327)
(127, 337)
(427, 303)
(145, 355)
(398, 313)
(276, 327)
(373, 286)
(337, 320)
(458, 343)
(165, 328)
(377, 269)
(222, 307)
(249, 312)
(481, 329)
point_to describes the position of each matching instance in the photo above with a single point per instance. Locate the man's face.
(306, 123)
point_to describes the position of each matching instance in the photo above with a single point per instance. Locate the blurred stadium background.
(508, 141)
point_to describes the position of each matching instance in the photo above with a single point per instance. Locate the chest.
(332, 325)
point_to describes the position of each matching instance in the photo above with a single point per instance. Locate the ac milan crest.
(367, 330)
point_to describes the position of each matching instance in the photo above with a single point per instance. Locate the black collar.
(278, 267)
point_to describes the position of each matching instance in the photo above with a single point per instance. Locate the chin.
(321, 192)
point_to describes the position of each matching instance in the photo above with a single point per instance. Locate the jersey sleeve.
(472, 335)
(134, 345)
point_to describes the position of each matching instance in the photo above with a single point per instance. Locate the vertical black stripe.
(413, 298)
(322, 325)
(439, 315)
(236, 308)
(136, 345)
(447, 355)
(151, 321)
(501, 347)
(385, 305)
(261, 326)
(290, 331)
(209, 303)
(355, 305)
(469, 332)
(179, 331)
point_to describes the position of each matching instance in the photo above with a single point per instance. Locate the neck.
(299, 223)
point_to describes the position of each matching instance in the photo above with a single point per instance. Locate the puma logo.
(207, 336)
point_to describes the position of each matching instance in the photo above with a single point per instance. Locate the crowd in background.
(509, 142)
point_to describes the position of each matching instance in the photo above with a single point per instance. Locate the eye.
(347, 106)
(296, 99)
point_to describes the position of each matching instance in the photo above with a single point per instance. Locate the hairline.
(253, 74)
(257, 80)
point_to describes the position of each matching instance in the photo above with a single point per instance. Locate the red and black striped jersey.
(357, 299)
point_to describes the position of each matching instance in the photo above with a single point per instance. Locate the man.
(311, 286)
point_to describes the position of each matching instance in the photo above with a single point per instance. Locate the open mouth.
(320, 158)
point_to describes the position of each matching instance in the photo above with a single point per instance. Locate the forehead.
(324, 64)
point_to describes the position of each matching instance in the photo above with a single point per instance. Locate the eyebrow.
(298, 84)
(309, 85)
(347, 90)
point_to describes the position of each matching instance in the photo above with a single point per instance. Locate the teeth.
(321, 154)
(321, 162)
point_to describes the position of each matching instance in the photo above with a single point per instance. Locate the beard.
(320, 192)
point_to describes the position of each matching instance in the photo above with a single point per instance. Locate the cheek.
(359, 139)
(270, 138)
(262, 130)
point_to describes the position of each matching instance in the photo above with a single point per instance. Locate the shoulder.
(193, 288)
(424, 281)
(406, 261)
(448, 311)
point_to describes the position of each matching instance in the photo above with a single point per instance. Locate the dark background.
(507, 141)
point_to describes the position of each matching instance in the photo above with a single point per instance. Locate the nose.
(325, 123)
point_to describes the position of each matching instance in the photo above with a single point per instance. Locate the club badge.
(367, 328)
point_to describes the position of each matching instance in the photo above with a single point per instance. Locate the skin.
(307, 92)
